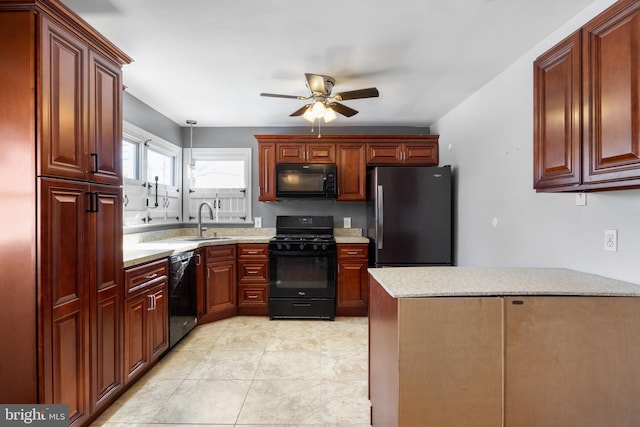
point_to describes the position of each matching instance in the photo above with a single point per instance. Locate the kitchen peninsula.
(452, 346)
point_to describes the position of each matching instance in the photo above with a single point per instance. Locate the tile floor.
(251, 371)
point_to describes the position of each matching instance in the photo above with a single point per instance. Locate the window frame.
(210, 153)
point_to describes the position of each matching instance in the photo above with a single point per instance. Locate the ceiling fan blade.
(370, 92)
(275, 95)
(343, 109)
(300, 111)
(319, 84)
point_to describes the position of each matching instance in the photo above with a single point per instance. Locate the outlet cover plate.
(611, 240)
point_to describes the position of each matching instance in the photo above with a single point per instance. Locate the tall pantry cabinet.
(61, 222)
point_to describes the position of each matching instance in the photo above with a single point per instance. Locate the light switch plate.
(581, 199)
(347, 222)
(257, 222)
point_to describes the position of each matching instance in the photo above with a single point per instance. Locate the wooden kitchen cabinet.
(579, 143)
(305, 152)
(267, 172)
(220, 283)
(352, 281)
(352, 172)
(414, 150)
(64, 86)
(146, 321)
(253, 279)
(82, 293)
(351, 154)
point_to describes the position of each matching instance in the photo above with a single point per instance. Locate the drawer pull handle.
(253, 252)
(151, 276)
(252, 296)
(353, 253)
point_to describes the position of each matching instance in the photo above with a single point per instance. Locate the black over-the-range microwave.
(306, 180)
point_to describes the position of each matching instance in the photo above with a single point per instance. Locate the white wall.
(491, 134)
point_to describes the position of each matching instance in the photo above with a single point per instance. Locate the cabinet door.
(352, 288)
(266, 172)
(136, 342)
(384, 153)
(352, 173)
(105, 121)
(421, 154)
(158, 320)
(106, 294)
(321, 153)
(557, 115)
(291, 152)
(572, 361)
(221, 289)
(63, 148)
(611, 47)
(64, 289)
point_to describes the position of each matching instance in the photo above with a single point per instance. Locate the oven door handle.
(380, 209)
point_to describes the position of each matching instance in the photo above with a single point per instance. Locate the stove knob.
(315, 247)
(279, 246)
(301, 246)
(287, 246)
(324, 247)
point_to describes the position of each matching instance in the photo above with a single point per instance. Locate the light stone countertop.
(138, 251)
(417, 282)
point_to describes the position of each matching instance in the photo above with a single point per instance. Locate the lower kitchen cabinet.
(511, 361)
(220, 283)
(146, 320)
(253, 279)
(352, 287)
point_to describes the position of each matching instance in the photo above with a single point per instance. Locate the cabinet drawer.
(257, 250)
(139, 276)
(219, 253)
(353, 251)
(252, 295)
(253, 272)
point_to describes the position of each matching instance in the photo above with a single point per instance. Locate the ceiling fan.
(323, 104)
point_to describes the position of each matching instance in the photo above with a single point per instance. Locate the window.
(222, 178)
(145, 157)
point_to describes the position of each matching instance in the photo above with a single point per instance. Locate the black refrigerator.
(409, 216)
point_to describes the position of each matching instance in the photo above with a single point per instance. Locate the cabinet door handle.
(197, 259)
(151, 303)
(95, 162)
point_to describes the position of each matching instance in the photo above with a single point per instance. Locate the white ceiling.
(208, 60)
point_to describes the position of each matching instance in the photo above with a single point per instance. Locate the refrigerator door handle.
(380, 225)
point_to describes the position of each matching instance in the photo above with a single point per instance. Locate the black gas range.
(302, 268)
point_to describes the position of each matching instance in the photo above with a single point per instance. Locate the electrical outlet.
(257, 222)
(611, 240)
(581, 199)
(347, 222)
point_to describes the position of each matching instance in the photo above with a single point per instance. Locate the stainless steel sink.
(202, 239)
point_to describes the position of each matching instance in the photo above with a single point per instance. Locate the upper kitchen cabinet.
(414, 150)
(351, 154)
(586, 106)
(81, 98)
(267, 172)
(305, 152)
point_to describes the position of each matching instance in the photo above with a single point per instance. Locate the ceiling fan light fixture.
(318, 109)
(329, 115)
(308, 115)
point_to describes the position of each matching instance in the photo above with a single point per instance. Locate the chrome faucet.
(200, 227)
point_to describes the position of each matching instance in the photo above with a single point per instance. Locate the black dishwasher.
(182, 296)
